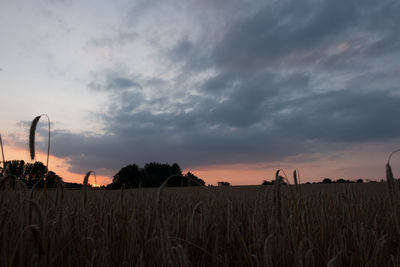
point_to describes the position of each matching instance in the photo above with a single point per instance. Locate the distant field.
(308, 225)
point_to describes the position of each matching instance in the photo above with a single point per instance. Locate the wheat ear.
(2, 154)
(393, 189)
(296, 178)
(85, 183)
(32, 132)
(389, 176)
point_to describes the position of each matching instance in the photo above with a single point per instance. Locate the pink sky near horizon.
(345, 165)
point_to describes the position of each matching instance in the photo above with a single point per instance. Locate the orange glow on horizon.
(58, 165)
(354, 164)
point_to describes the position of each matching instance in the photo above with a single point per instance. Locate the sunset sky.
(230, 90)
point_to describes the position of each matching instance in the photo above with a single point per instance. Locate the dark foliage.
(326, 181)
(265, 182)
(153, 174)
(31, 173)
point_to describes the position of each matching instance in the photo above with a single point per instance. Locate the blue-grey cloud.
(290, 78)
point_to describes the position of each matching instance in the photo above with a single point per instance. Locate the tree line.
(324, 181)
(33, 173)
(153, 174)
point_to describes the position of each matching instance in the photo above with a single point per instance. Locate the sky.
(230, 90)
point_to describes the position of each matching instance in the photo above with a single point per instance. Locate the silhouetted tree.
(129, 175)
(152, 175)
(16, 168)
(224, 184)
(35, 171)
(30, 173)
(360, 180)
(157, 173)
(51, 179)
(265, 182)
(73, 185)
(326, 181)
(194, 177)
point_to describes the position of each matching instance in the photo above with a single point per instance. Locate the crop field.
(286, 225)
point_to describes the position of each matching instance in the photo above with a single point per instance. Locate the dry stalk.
(38, 237)
(197, 208)
(268, 243)
(255, 260)
(182, 256)
(277, 196)
(60, 189)
(121, 197)
(165, 242)
(393, 189)
(389, 174)
(228, 221)
(38, 211)
(296, 178)
(85, 183)
(2, 155)
(334, 262)
(32, 132)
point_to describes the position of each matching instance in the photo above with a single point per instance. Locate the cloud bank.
(224, 82)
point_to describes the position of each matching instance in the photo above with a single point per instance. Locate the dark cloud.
(120, 38)
(291, 78)
(114, 82)
(121, 83)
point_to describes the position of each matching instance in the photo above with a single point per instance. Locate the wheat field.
(316, 225)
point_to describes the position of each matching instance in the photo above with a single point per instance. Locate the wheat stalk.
(165, 242)
(32, 132)
(36, 231)
(277, 196)
(393, 189)
(85, 183)
(389, 175)
(268, 244)
(121, 197)
(2, 154)
(184, 261)
(166, 246)
(60, 188)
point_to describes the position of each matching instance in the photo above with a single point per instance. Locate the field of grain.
(308, 225)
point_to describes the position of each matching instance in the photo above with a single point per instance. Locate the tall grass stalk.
(389, 175)
(32, 133)
(295, 177)
(59, 205)
(277, 196)
(2, 154)
(393, 189)
(85, 185)
(165, 242)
